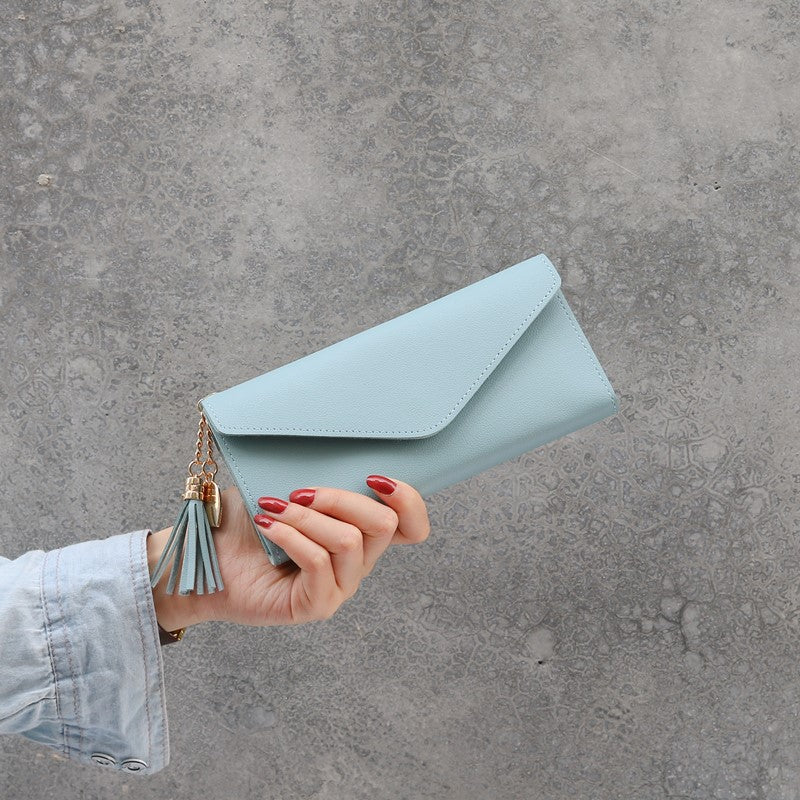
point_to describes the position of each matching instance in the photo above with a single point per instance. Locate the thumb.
(412, 514)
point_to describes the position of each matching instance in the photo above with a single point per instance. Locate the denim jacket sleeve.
(81, 668)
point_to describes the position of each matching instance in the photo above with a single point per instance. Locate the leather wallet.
(432, 397)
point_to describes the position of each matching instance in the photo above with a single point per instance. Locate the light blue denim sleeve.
(81, 668)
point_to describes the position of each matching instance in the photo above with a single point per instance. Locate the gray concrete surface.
(615, 615)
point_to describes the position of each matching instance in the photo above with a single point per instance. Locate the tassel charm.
(191, 541)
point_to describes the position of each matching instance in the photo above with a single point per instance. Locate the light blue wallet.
(432, 397)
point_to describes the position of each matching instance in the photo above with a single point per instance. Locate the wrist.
(173, 611)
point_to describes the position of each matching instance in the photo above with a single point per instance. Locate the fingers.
(312, 592)
(401, 519)
(377, 522)
(336, 536)
(337, 541)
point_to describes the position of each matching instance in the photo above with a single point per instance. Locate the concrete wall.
(192, 193)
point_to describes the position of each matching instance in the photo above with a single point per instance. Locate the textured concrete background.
(235, 184)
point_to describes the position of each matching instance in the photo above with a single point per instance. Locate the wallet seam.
(438, 425)
(592, 357)
(240, 479)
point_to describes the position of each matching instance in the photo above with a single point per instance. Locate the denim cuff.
(105, 653)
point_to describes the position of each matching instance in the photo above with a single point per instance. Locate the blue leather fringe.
(192, 536)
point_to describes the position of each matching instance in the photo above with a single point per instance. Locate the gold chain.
(209, 448)
(199, 451)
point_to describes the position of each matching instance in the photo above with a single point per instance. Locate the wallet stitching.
(522, 325)
(592, 357)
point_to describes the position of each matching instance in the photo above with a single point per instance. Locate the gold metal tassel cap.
(194, 488)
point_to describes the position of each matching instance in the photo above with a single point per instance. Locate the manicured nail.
(381, 484)
(273, 504)
(305, 497)
(263, 520)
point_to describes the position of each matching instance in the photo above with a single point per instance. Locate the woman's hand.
(334, 542)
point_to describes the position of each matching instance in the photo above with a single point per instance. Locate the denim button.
(104, 759)
(134, 764)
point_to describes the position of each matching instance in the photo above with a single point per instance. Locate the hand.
(334, 543)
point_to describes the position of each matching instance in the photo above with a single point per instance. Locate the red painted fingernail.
(273, 504)
(305, 497)
(263, 520)
(381, 484)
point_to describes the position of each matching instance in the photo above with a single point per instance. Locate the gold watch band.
(168, 637)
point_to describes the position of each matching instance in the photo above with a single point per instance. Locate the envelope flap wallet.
(404, 378)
